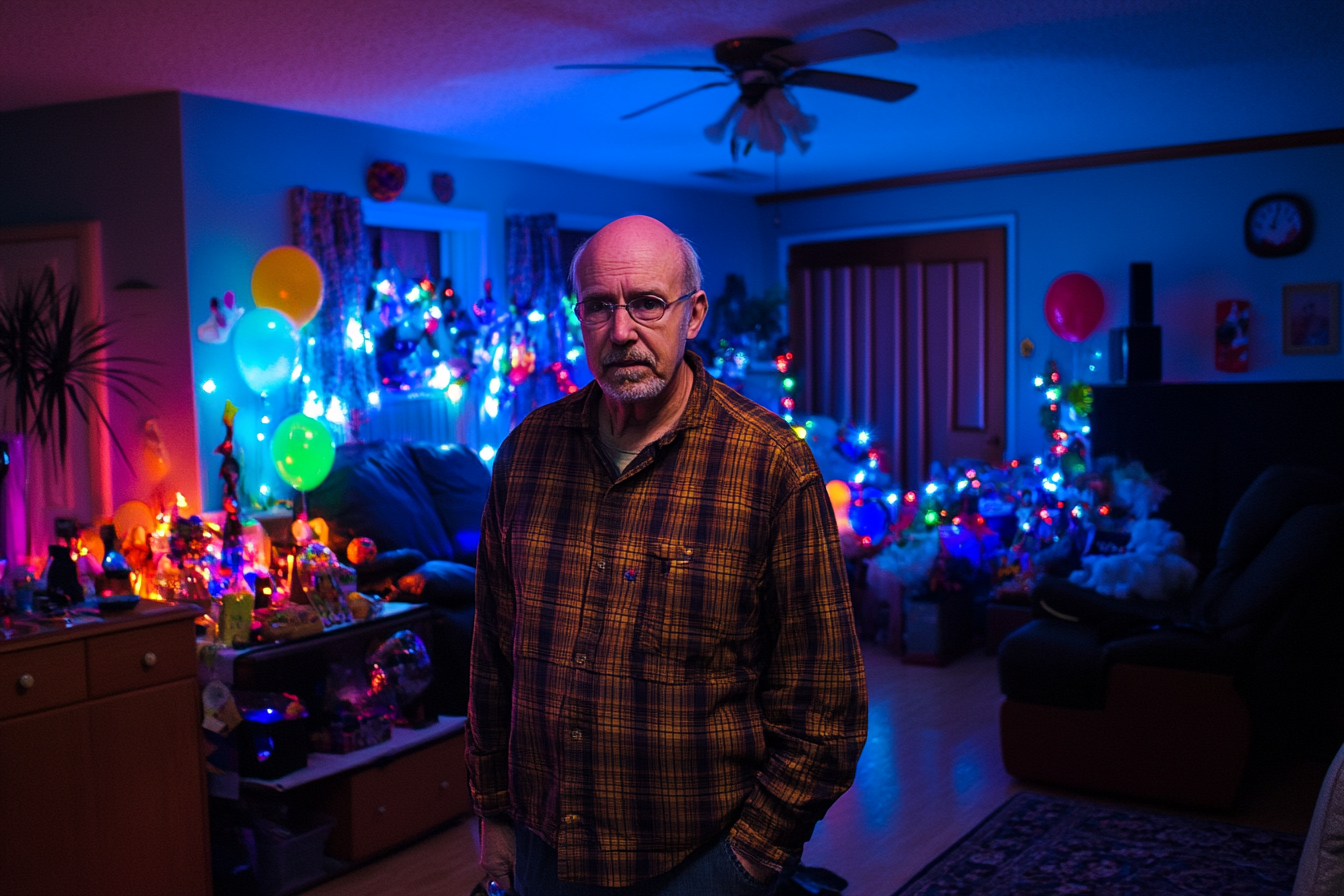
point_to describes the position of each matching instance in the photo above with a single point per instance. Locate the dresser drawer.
(141, 658)
(41, 678)
(382, 806)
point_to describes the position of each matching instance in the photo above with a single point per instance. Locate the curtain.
(330, 227)
(536, 288)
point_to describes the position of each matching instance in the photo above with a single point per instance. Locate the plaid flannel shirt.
(664, 654)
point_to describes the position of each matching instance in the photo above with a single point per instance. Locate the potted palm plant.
(55, 364)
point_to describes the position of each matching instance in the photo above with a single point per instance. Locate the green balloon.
(303, 451)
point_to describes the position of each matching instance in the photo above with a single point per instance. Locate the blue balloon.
(868, 518)
(266, 346)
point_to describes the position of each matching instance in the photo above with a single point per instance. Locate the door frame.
(1007, 220)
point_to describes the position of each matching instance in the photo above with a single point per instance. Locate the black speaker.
(1140, 292)
(1136, 354)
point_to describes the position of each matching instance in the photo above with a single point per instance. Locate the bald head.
(642, 241)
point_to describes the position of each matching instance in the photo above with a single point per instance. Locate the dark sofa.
(1166, 700)
(421, 504)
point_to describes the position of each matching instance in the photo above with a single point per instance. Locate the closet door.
(906, 336)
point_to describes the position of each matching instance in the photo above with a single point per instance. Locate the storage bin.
(290, 855)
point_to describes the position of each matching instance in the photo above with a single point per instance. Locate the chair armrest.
(1114, 618)
(1172, 648)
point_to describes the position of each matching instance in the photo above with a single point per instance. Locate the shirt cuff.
(494, 806)
(759, 850)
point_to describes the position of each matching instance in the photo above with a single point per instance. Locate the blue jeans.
(711, 869)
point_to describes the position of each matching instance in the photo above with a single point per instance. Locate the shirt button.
(576, 734)
(581, 659)
(601, 564)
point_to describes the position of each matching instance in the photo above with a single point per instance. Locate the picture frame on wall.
(1310, 318)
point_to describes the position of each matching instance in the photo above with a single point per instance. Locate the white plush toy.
(1151, 567)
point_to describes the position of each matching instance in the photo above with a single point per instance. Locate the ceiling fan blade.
(858, 85)
(677, 97)
(845, 45)
(681, 68)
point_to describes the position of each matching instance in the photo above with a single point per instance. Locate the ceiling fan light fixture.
(766, 124)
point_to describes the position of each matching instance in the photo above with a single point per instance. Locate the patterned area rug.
(1034, 845)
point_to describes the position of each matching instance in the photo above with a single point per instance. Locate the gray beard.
(630, 384)
(623, 387)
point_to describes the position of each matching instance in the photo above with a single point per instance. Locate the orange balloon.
(839, 494)
(288, 280)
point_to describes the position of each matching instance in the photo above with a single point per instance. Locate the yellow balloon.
(288, 280)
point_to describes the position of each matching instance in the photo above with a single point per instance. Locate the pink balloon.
(1073, 306)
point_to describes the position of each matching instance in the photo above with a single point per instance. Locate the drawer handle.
(26, 681)
(150, 659)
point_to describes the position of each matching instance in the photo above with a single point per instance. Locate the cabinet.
(102, 788)
(379, 796)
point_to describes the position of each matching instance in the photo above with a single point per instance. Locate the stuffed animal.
(1152, 566)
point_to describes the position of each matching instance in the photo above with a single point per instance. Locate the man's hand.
(760, 872)
(497, 851)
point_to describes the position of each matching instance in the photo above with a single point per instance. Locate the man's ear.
(699, 308)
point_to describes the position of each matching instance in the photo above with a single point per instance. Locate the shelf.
(325, 765)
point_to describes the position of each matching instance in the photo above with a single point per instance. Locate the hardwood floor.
(930, 772)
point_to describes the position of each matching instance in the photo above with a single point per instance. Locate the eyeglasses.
(645, 309)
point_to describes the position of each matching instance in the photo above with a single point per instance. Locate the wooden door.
(906, 335)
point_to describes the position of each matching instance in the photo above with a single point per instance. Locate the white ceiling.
(999, 80)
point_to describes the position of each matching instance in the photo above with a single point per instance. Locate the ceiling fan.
(764, 68)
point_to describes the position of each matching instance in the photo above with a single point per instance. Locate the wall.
(240, 161)
(1184, 216)
(119, 161)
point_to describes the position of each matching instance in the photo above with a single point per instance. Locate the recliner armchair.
(1167, 700)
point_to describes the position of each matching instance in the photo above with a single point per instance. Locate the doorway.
(906, 335)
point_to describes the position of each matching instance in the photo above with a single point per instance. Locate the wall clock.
(1278, 224)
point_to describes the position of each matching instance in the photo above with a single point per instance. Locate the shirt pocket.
(694, 608)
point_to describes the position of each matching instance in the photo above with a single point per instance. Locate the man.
(666, 692)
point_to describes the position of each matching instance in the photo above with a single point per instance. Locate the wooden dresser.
(102, 787)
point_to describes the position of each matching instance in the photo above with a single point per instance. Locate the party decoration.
(1232, 340)
(223, 315)
(266, 349)
(400, 666)
(1073, 306)
(838, 491)
(153, 453)
(288, 280)
(131, 514)
(868, 518)
(385, 180)
(441, 183)
(320, 529)
(230, 471)
(315, 559)
(361, 551)
(303, 451)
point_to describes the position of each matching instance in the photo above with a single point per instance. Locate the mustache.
(618, 356)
